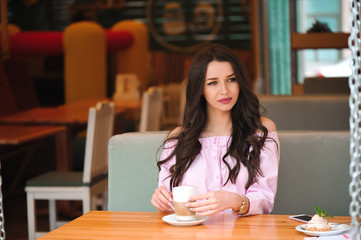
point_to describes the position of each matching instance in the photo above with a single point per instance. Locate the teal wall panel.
(279, 45)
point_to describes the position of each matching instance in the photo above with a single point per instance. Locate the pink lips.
(225, 100)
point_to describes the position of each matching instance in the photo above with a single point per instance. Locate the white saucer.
(336, 229)
(172, 220)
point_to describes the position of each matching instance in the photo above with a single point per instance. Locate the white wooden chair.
(152, 106)
(85, 186)
(171, 106)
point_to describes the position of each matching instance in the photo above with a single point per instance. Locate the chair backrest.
(7, 99)
(152, 105)
(171, 105)
(329, 85)
(21, 83)
(313, 171)
(99, 131)
(312, 112)
(133, 174)
(126, 87)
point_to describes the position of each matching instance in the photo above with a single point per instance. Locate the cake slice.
(318, 221)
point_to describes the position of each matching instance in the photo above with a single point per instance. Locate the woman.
(224, 147)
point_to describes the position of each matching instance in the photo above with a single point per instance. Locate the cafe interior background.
(273, 39)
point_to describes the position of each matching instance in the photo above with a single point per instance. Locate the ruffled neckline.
(223, 140)
(212, 137)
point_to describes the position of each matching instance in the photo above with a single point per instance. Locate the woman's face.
(221, 88)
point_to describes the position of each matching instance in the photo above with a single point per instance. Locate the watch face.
(184, 25)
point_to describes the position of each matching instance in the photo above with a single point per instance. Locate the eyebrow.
(217, 78)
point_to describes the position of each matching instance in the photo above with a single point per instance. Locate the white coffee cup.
(181, 196)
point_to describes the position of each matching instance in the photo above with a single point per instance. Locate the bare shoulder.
(175, 132)
(269, 124)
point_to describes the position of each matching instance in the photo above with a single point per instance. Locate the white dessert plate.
(172, 220)
(336, 229)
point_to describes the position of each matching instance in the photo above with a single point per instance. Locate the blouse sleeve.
(164, 173)
(261, 194)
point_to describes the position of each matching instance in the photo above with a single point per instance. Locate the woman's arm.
(262, 193)
(162, 197)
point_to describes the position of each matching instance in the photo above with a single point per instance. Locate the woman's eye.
(212, 83)
(232, 79)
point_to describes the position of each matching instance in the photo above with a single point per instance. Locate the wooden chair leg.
(31, 216)
(52, 214)
(105, 201)
(86, 202)
(94, 202)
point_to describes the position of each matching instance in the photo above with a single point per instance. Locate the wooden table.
(74, 116)
(21, 138)
(146, 225)
(71, 114)
(21, 134)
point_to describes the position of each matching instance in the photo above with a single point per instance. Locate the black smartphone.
(301, 218)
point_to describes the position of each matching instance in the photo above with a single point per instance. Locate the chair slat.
(152, 108)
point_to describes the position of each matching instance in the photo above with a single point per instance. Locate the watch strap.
(243, 209)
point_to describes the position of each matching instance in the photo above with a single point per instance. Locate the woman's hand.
(162, 199)
(214, 202)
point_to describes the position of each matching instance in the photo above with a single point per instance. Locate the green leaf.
(318, 210)
(322, 213)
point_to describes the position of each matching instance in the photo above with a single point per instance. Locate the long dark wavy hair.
(245, 146)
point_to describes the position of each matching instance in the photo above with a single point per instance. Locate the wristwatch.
(243, 209)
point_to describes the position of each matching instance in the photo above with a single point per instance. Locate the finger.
(208, 213)
(167, 195)
(165, 191)
(163, 195)
(200, 197)
(199, 203)
(162, 201)
(161, 205)
(156, 204)
(164, 206)
(204, 208)
(159, 199)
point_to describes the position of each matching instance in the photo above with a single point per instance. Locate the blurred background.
(260, 31)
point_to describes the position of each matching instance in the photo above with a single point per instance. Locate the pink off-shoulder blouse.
(209, 173)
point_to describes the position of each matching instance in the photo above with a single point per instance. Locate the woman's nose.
(224, 88)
